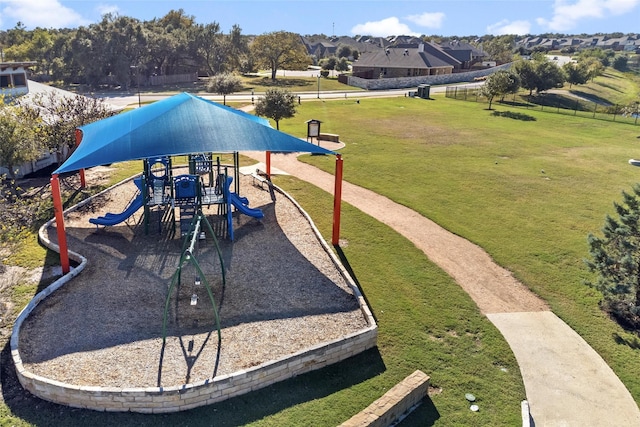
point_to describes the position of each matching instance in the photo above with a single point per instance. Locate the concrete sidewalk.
(566, 381)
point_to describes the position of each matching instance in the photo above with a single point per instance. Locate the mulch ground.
(282, 293)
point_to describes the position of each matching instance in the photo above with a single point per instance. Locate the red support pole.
(268, 162)
(83, 181)
(337, 201)
(62, 237)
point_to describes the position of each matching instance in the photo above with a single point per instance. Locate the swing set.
(198, 229)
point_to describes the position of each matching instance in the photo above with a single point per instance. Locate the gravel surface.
(282, 294)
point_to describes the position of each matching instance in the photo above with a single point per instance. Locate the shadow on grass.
(557, 101)
(279, 82)
(515, 116)
(237, 411)
(633, 343)
(513, 103)
(423, 416)
(347, 266)
(609, 86)
(589, 97)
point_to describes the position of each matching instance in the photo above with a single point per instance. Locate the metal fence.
(554, 103)
(173, 79)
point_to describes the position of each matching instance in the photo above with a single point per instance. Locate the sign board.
(313, 128)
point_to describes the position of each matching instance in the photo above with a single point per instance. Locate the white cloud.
(103, 9)
(429, 20)
(567, 14)
(383, 28)
(509, 27)
(40, 13)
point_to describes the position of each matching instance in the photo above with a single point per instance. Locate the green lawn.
(600, 98)
(527, 189)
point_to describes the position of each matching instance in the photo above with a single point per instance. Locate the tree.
(280, 50)
(577, 74)
(344, 51)
(342, 65)
(594, 66)
(211, 48)
(603, 56)
(329, 64)
(615, 258)
(500, 48)
(41, 46)
(19, 141)
(108, 50)
(549, 76)
(500, 83)
(276, 104)
(239, 48)
(526, 71)
(62, 115)
(224, 84)
(620, 62)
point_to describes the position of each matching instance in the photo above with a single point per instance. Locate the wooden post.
(83, 181)
(62, 237)
(337, 201)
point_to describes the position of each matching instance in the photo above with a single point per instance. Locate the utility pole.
(137, 68)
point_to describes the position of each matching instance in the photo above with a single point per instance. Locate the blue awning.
(181, 124)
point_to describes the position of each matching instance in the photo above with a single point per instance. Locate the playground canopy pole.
(268, 163)
(62, 237)
(337, 200)
(83, 181)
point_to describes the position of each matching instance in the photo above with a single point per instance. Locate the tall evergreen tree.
(615, 258)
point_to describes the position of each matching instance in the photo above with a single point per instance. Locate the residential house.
(425, 59)
(628, 42)
(464, 52)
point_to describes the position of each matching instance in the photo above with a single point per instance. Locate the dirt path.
(492, 287)
(567, 383)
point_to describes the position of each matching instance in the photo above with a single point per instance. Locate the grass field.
(605, 98)
(527, 189)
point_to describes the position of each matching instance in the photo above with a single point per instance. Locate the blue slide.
(113, 219)
(242, 206)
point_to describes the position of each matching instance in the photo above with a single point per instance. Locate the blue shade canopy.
(181, 124)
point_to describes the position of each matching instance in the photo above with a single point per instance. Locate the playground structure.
(277, 296)
(181, 199)
(161, 194)
(154, 134)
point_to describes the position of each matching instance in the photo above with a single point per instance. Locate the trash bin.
(423, 91)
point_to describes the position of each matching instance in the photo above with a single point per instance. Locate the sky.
(349, 17)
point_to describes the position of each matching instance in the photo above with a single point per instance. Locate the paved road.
(131, 99)
(567, 383)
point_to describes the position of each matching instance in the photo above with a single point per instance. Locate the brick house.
(424, 59)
